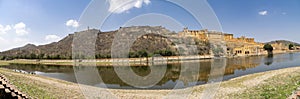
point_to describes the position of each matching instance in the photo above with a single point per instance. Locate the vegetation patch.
(38, 87)
(277, 87)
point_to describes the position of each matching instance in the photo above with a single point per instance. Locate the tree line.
(35, 56)
(141, 53)
(137, 54)
(269, 48)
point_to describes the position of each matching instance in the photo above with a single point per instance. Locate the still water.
(173, 74)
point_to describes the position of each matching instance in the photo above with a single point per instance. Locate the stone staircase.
(8, 91)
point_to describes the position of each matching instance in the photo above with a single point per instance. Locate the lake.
(174, 74)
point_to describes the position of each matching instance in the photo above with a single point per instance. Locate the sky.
(45, 21)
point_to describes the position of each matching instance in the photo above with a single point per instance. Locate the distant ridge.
(285, 42)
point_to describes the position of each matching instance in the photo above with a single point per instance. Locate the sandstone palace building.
(241, 46)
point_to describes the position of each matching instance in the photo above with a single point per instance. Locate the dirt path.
(44, 87)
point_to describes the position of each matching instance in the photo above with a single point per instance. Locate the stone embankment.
(8, 91)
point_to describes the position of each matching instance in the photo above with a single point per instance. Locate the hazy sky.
(45, 21)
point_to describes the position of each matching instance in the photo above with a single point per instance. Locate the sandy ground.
(63, 89)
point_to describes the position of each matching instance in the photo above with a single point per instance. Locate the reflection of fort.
(240, 46)
(231, 66)
(241, 64)
(174, 72)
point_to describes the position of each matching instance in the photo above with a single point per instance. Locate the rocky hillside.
(155, 40)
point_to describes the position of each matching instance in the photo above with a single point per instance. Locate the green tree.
(133, 55)
(291, 47)
(33, 56)
(22, 57)
(41, 56)
(27, 57)
(48, 57)
(70, 57)
(57, 57)
(143, 53)
(17, 57)
(165, 52)
(269, 48)
(108, 56)
(169, 53)
(2, 57)
(98, 56)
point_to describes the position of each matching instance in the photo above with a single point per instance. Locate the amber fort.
(236, 46)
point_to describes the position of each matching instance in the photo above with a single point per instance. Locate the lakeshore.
(271, 84)
(111, 62)
(125, 61)
(237, 87)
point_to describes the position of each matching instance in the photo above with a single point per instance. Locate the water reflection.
(175, 74)
(291, 56)
(269, 59)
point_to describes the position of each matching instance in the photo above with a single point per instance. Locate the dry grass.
(277, 84)
(42, 87)
(272, 84)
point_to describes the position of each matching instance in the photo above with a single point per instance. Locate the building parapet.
(236, 46)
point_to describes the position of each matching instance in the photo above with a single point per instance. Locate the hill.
(153, 42)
